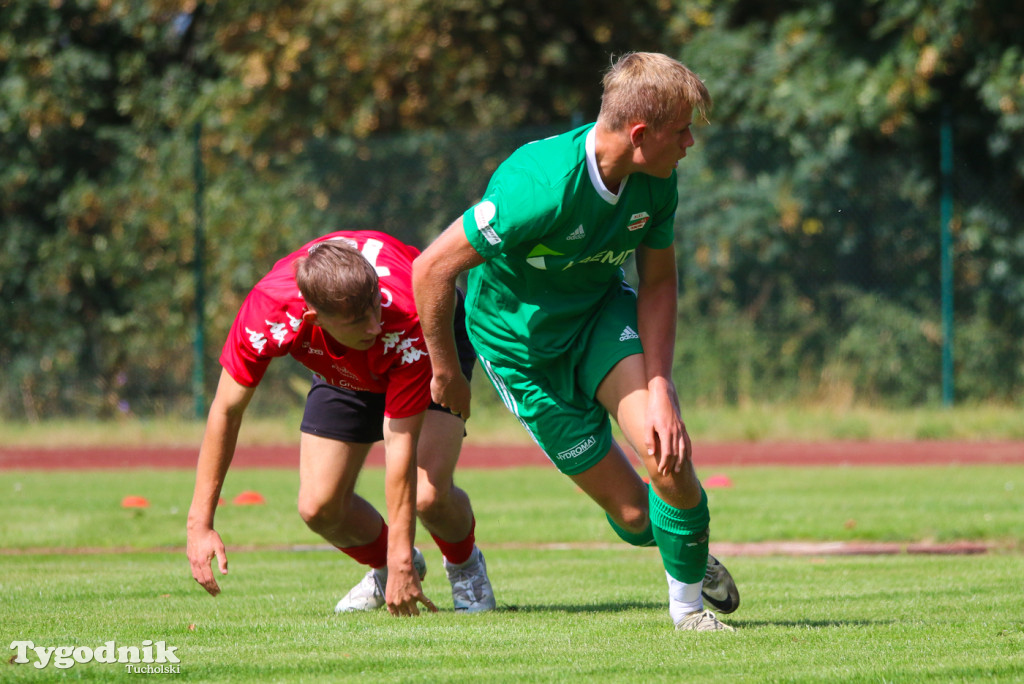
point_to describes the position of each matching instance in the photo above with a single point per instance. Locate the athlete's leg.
(623, 392)
(615, 486)
(445, 511)
(443, 508)
(575, 434)
(677, 504)
(328, 503)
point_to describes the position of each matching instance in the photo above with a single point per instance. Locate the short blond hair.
(649, 87)
(335, 279)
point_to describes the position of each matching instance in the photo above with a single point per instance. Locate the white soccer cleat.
(702, 621)
(369, 593)
(719, 588)
(471, 588)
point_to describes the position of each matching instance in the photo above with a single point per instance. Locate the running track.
(708, 455)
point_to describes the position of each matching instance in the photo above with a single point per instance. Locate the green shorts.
(556, 402)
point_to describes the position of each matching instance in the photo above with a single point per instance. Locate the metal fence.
(804, 272)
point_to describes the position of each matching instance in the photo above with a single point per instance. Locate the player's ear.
(636, 134)
(309, 316)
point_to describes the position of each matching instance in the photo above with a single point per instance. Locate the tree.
(813, 192)
(826, 174)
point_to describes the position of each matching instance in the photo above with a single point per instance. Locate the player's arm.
(403, 591)
(215, 454)
(434, 274)
(657, 308)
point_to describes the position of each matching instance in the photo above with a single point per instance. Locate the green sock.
(682, 537)
(645, 538)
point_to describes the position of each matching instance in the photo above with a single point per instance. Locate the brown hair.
(649, 87)
(335, 279)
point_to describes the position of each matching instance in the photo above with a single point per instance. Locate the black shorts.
(349, 416)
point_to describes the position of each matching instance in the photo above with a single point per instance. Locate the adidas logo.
(577, 234)
(628, 334)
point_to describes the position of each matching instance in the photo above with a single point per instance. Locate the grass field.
(572, 615)
(574, 605)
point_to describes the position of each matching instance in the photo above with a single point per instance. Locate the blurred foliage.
(808, 224)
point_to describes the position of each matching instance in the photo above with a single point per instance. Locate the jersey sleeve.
(662, 232)
(262, 331)
(517, 207)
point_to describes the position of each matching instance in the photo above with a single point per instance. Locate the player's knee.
(432, 496)
(430, 502)
(634, 519)
(674, 484)
(318, 515)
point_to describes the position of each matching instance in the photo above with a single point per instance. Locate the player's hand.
(403, 593)
(453, 392)
(202, 547)
(664, 432)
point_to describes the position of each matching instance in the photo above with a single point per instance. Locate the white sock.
(683, 598)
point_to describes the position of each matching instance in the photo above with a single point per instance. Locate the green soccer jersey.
(555, 239)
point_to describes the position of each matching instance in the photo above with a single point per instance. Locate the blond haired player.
(565, 340)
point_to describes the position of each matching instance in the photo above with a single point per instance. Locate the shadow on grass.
(618, 607)
(802, 624)
(732, 619)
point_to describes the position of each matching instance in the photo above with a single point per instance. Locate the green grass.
(568, 610)
(492, 424)
(590, 615)
(75, 509)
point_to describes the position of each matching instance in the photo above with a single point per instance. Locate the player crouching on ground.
(343, 307)
(561, 335)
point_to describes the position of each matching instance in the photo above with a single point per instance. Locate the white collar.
(595, 175)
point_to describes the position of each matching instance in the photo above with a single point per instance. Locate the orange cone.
(717, 481)
(249, 498)
(132, 501)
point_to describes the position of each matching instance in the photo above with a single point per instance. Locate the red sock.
(457, 552)
(374, 554)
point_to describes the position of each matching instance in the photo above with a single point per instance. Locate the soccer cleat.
(719, 590)
(369, 593)
(471, 588)
(702, 621)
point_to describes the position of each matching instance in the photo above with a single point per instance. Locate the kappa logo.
(257, 339)
(638, 220)
(628, 334)
(279, 331)
(412, 355)
(391, 339)
(404, 346)
(577, 234)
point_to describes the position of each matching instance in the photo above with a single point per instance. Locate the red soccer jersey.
(269, 324)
